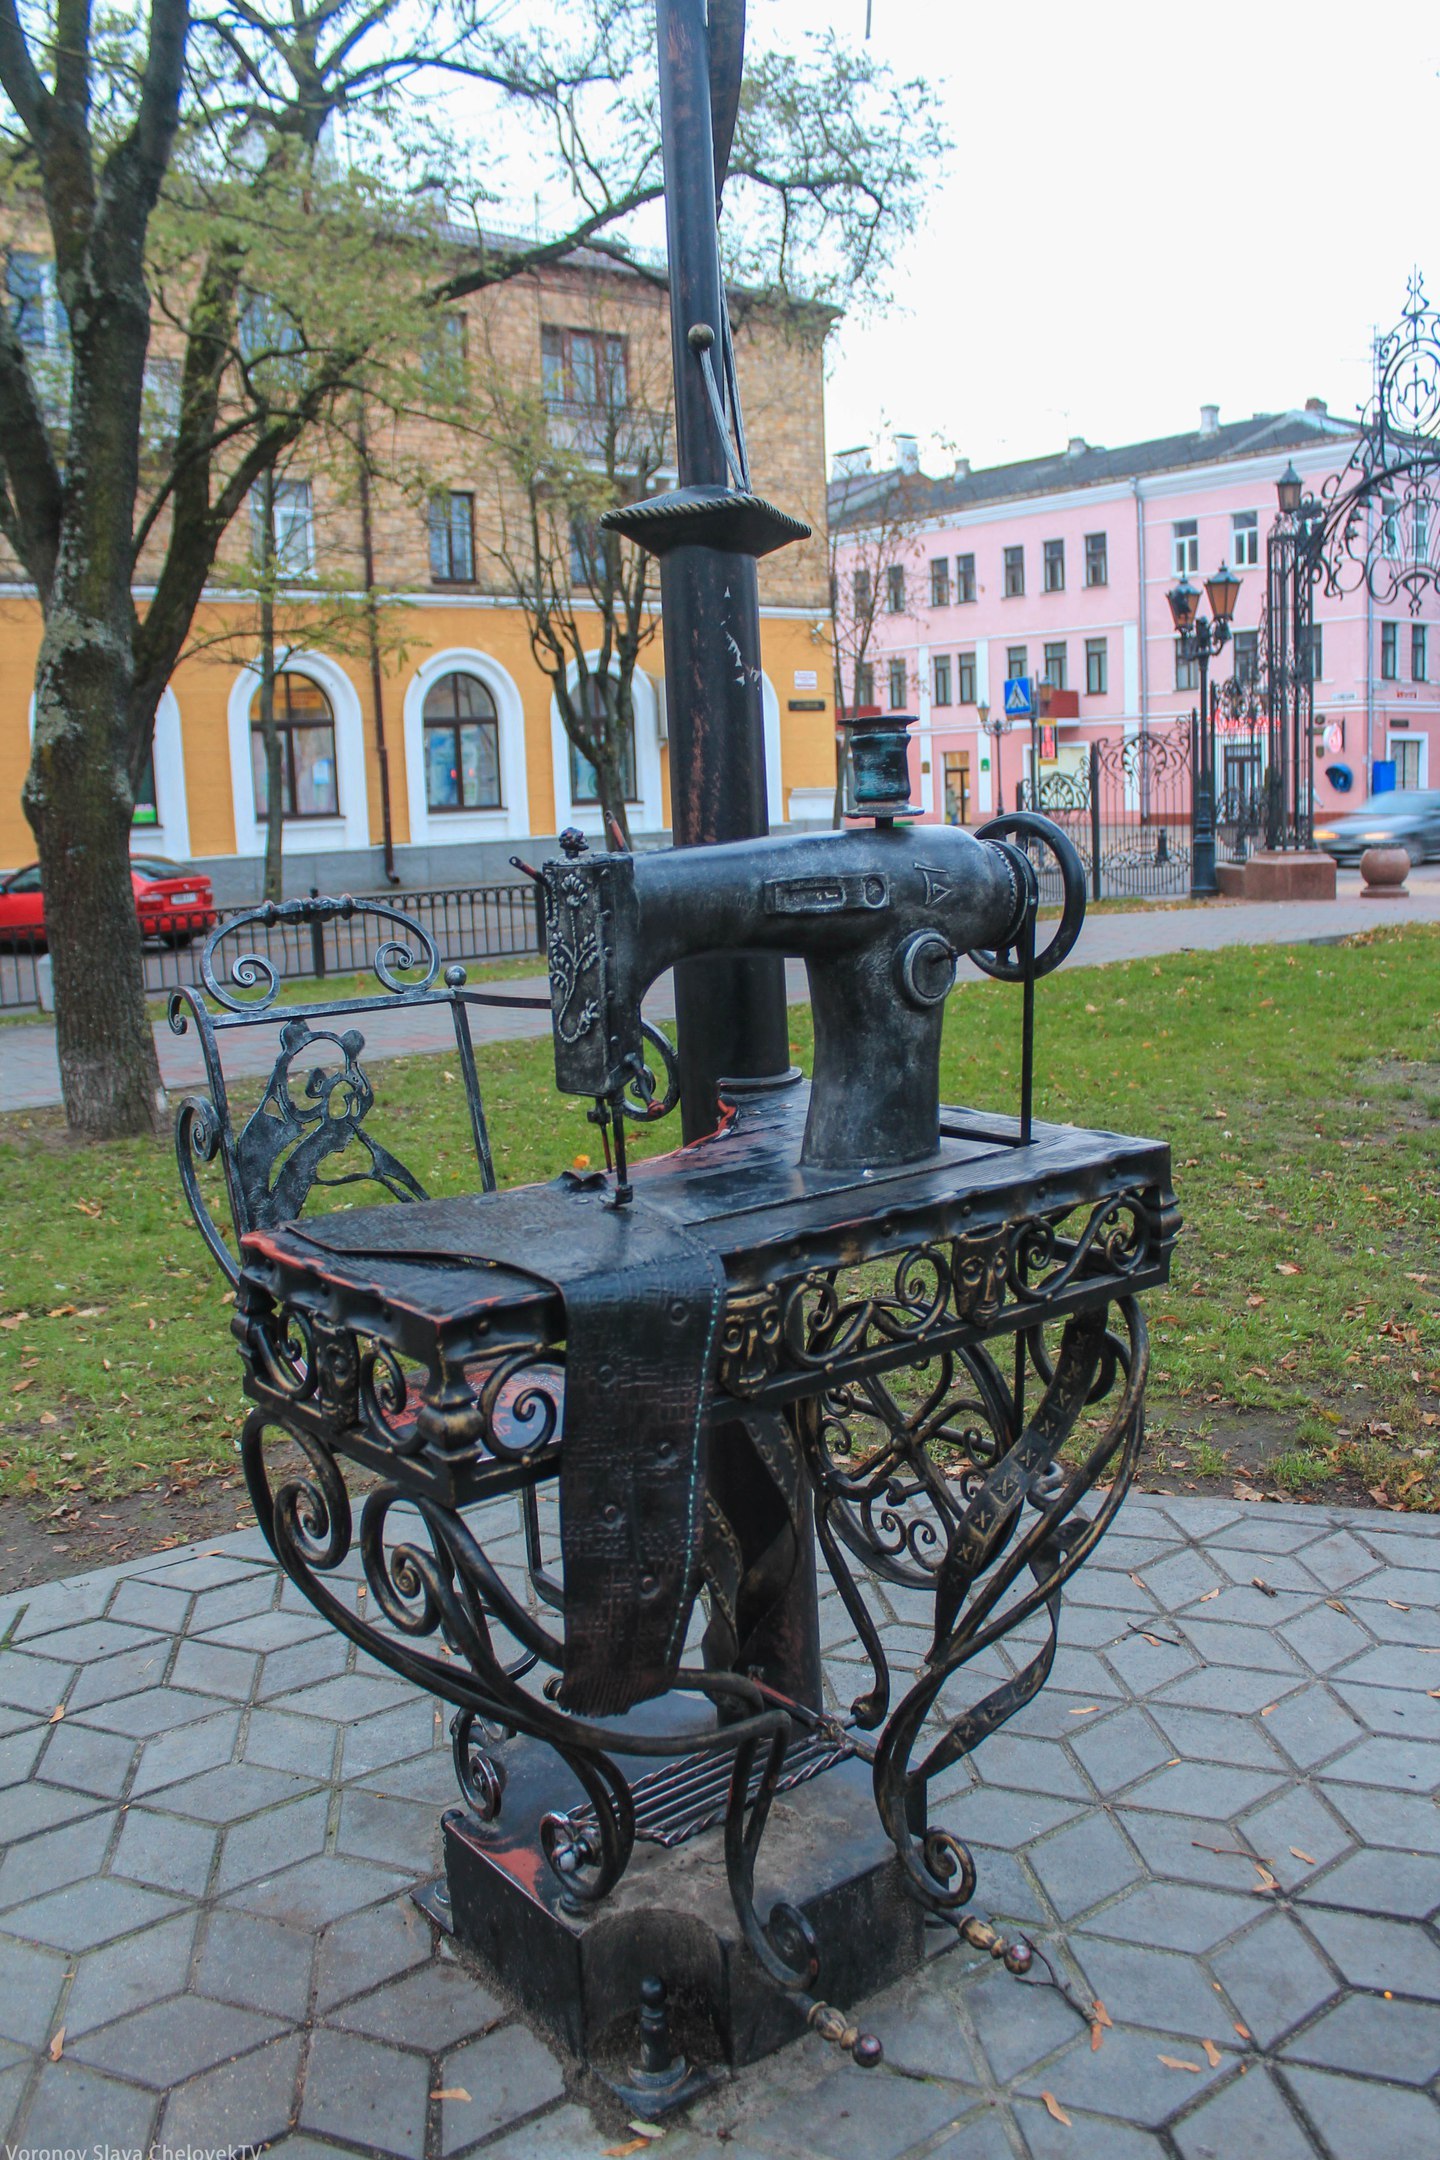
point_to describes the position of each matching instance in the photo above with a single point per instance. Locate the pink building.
(1058, 567)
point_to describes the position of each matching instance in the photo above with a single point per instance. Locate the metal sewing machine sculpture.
(880, 919)
(844, 1318)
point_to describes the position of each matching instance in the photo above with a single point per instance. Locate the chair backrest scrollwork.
(308, 1128)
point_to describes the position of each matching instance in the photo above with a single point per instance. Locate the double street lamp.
(1196, 641)
(997, 728)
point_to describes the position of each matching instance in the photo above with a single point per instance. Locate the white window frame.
(647, 813)
(1245, 540)
(311, 835)
(438, 828)
(1185, 546)
(1395, 736)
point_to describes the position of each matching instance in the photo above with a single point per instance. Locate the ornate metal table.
(905, 1353)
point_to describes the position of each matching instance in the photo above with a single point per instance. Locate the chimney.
(1209, 419)
(850, 464)
(1076, 447)
(907, 453)
(1316, 405)
(962, 468)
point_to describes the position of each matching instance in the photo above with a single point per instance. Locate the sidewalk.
(30, 1078)
(1218, 1819)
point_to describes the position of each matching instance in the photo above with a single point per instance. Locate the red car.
(173, 904)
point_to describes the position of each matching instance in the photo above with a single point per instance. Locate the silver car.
(1403, 817)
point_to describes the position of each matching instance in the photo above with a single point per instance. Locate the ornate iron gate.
(1127, 809)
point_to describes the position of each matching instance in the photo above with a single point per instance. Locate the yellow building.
(476, 759)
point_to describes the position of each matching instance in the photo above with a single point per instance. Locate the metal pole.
(730, 1012)
(1203, 885)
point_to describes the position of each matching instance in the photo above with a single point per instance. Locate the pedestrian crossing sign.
(1019, 698)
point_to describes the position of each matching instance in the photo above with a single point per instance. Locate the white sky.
(1148, 207)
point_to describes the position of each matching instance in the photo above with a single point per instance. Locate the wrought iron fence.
(1128, 811)
(467, 922)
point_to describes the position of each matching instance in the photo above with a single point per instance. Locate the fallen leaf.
(57, 2045)
(1102, 2015)
(1212, 2053)
(1395, 1605)
(1286, 1267)
(450, 2092)
(1097, 2035)
(1086, 1712)
(1055, 2111)
(1212, 1593)
(1308, 1858)
(622, 2152)
(1178, 2062)
(646, 2129)
(1243, 2030)
(1267, 1881)
(1335, 1604)
(56, 1714)
(1268, 1708)
(1254, 1301)
(21, 1385)
(1139, 1585)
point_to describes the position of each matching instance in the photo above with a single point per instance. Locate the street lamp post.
(1291, 568)
(997, 729)
(1197, 640)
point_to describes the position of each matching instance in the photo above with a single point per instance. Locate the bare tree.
(875, 560)
(183, 164)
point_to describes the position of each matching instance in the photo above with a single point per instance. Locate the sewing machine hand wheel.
(1028, 825)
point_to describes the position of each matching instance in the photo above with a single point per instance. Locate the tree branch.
(32, 478)
(20, 78)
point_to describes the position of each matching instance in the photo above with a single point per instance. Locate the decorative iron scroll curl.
(1376, 523)
(807, 1324)
(1023, 1517)
(440, 1614)
(407, 963)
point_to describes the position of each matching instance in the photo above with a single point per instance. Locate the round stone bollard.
(1384, 870)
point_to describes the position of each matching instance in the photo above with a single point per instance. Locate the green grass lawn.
(1299, 1089)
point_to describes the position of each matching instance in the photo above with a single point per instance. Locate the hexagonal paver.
(321, 1889)
(1405, 1885)
(1173, 1917)
(862, 2115)
(88, 1913)
(70, 2100)
(171, 2041)
(1274, 1977)
(357, 1953)
(1345, 2112)
(1251, 2116)
(258, 1963)
(238, 2105)
(30, 1982)
(432, 2008)
(145, 1968)
(1133, 2075)
(366, 2093)
(95, 1639)
(1375, 2036)
(1396, 1954)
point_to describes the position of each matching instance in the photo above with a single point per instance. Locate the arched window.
(462, 745)
(309, 784)
(584, 787)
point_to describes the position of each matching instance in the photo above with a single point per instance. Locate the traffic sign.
(1019, 697)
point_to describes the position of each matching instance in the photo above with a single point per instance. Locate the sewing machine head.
(880, 915)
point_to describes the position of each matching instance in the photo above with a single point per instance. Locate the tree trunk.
(610, 787)
(269, 732)
(80, 802)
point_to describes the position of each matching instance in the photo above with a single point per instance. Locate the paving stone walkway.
(1219, 1818)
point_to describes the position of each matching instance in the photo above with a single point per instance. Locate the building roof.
(857, 499)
